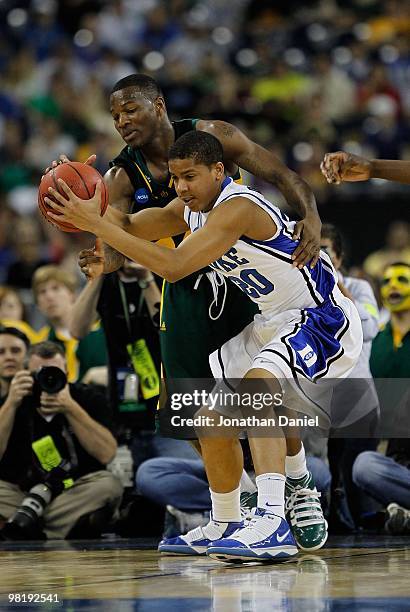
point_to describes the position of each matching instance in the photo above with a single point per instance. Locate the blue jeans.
(146, 444)
(382, 478)
(182, 482)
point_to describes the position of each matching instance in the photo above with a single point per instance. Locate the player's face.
(53, 299)
(136, 118)
(395, 289)
(12, 355)
(196, 184)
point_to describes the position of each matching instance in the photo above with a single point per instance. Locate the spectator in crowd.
(397, 248)
(386, 478)
(56, 438)
(12, 312)
(127, 301)
(54, 293)
(29, 252)
(355, 406)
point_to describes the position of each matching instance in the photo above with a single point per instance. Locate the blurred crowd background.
(300, 78)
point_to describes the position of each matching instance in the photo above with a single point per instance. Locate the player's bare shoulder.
(120, 189)
(220, 129)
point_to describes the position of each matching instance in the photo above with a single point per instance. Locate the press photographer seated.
(54, 445)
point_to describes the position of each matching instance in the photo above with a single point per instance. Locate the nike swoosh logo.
(281, 538)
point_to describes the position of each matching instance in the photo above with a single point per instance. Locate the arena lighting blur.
(154, 60)
(16, 18)
(222, 36)
(342, 56)
(294, 57)
(389, 54)
(316, 32)
(246, 58)
(83, 38)
(361, 31)
(302, 151)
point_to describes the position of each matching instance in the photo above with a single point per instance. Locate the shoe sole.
(241, 555)
(182, 550)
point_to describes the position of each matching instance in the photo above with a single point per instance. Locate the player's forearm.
(390, 170)
(160, 260)
(113, 260)
(299, 195)
(84, 310)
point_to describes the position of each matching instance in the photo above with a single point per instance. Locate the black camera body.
(49, 379)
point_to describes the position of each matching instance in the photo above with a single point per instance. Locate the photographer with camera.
(54, 445)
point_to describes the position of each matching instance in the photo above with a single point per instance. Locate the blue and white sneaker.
(265, 537)
(196, 541)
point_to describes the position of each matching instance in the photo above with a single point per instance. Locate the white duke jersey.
(307, 330)
(263, 268)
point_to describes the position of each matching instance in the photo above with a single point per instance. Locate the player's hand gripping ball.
(81, 178)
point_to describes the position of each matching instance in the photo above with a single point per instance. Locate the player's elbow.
(173, 270)
(79, 329)
(172, 275)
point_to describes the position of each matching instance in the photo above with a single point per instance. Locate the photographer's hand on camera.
(52, 403)
(20, 387)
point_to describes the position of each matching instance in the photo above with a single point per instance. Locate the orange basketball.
(81, 178)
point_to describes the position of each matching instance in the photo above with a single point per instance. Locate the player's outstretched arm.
(85, 214)
(198, 250)
(264, 164)
(150, 224)
(341, 166)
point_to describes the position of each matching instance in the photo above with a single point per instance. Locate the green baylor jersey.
(188, 334)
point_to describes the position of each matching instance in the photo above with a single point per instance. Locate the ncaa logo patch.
(308, 355)
(141, 196)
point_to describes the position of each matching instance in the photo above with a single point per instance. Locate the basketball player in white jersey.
(307, 332)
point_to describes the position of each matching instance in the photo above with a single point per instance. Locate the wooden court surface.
(357, 573)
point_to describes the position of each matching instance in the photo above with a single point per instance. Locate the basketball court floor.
(350, 573)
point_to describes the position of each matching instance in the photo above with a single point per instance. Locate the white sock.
(226, 506)
(246, 483)
(295, 466)
(271, 493)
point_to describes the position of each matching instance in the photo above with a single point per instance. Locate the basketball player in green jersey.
(197, 316)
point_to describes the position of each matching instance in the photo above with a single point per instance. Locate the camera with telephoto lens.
(24, 524)
(49, 379)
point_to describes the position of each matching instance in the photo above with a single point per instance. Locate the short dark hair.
(331, 232)
(46, 350)
(200, 146)
(144, 83)
(13, 331)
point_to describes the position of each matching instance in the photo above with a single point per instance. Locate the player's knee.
(214, 447)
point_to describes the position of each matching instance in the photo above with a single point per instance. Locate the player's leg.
(223, 459)
(267, 535)
(303, 508)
